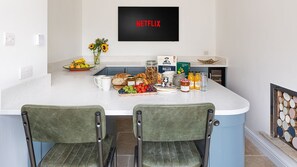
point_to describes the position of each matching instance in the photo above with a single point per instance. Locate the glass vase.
(97, 58)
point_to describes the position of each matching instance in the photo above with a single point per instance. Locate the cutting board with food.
(128, 85)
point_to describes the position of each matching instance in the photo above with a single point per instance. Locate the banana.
(79, 61)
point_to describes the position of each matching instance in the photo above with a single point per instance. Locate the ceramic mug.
(98, 80)
(106, 83)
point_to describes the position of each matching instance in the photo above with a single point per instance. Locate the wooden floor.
(126, 142)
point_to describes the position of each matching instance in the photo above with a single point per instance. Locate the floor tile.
(124, 124)
(258, 161)
(131, 161)
(123, 161)
(126, 143)
(251, 149)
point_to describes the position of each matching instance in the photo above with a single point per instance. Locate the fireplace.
(284, 115)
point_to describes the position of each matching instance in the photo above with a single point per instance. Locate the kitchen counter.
(77, 88)
(62, 87)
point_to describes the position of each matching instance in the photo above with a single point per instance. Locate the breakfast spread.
(151, 81)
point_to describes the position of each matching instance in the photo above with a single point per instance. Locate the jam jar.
(131, 81)
(184, 85)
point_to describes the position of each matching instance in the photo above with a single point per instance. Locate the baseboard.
(272, 152)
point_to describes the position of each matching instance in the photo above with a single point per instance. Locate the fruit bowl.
(208, 61)
(79, 65)
(78, 69)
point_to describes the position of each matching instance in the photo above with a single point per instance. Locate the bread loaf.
(160, 78)
(141, 75)
(120, 79)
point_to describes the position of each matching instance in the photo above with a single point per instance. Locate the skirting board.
(272, 152)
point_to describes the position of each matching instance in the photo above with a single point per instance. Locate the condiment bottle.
(130, 81)
(197, 80)
(191, 80)
(184, 85)
(138, 81)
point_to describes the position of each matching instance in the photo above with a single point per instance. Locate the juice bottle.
(191, 80)
(197, 80)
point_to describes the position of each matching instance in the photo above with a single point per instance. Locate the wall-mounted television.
(148, 23)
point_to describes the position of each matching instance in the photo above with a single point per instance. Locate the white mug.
(98, 80)
(106, 83)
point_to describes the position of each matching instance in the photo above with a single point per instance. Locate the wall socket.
(8, 39)
(25, 72)
(39, 40)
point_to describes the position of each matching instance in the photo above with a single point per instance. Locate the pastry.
(120, 79)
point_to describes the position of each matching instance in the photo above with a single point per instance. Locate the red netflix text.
(148, 23)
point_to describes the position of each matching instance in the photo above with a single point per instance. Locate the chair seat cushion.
(181, 153)
(76, 154)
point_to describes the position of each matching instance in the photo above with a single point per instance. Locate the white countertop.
(77, 88)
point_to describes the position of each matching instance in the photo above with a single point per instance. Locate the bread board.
(139, 94)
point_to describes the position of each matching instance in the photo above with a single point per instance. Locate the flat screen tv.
(148, 23)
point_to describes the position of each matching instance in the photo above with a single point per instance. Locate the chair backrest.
(64, 124)
(174, 122)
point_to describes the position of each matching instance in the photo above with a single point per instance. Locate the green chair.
(79, 134)
(167, 134)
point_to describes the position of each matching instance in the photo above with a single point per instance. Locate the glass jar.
(184, 85)
(177, 78)
(130, 81)
(151, 71)
(138, 81)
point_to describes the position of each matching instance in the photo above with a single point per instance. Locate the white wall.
(24, 19)
(259, 37)
(197, 28)
(64, 29)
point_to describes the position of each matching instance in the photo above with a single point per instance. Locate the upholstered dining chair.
(166, 134)
(79, 134)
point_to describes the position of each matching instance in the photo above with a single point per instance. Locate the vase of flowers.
(98, 46)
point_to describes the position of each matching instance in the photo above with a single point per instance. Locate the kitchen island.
(77, 88)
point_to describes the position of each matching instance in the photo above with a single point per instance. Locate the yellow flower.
(91, 46)
(104, 47)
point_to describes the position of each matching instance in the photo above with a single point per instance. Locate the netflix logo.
(148, 23)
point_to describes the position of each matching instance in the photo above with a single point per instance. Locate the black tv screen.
(148, 23)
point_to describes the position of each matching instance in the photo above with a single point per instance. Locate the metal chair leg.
(139, 138)
(99, 137)
(209, 126)
(135, 156)
(28, 138)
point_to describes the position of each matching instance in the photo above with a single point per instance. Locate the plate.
(161, 89)
(139, 94)
(208, 61)
(78, 69)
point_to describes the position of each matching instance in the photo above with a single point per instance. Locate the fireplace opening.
(284, 115)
